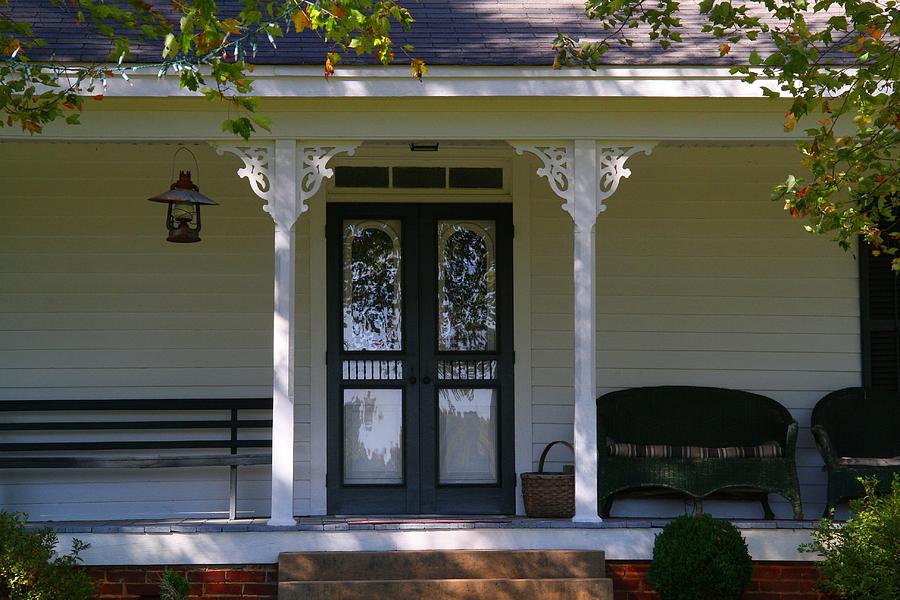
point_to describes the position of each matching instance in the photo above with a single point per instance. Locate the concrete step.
(449, 589)
(441, 564)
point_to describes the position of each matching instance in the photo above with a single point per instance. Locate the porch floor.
(380, 523)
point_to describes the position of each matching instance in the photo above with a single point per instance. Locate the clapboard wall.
(94, 303)
(701, 280)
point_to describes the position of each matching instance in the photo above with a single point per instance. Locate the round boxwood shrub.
(698, 557)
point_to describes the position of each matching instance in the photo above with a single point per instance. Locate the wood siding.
(94, 303)
(702, 280)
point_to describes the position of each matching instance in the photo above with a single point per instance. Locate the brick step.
(441, 564)
(447, 589)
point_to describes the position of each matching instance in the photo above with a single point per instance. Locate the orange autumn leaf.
(329, 68)
(724, 49)
(231, 26)
(790, 121)
(12, 47)
(874, 32)
(418, 68)
(301, 20)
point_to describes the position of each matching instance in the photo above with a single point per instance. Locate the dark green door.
(420, 398)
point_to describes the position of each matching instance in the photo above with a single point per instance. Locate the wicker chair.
(696, 416)
(855, 423)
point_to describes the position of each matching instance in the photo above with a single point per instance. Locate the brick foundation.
(229, 582)
(770, 581)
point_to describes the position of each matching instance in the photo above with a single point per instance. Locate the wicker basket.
(549, 495)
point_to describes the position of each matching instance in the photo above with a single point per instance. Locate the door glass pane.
(467, 286)
(373, 429)
(372, 292)
(467, 435)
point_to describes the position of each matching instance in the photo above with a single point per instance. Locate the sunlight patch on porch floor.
(378, 523)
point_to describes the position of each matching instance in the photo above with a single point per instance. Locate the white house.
(615, 226)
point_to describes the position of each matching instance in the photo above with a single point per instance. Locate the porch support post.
(584, 213)
(584, 174)
(286, 179)
(284, 212)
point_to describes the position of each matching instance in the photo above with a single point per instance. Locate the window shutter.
(879, 289)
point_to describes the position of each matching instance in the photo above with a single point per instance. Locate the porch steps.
(444, 574)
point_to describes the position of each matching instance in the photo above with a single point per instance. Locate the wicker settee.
(857, 432)
(697, 441)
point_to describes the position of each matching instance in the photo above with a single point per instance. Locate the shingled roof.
(446, 32)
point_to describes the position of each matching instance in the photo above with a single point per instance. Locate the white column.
(285, 179)
(284, 212)
(584, 214)
(584, 174)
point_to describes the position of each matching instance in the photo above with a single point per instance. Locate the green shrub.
(862, 556)
(173, 586)
(30, 568)
(698, 557)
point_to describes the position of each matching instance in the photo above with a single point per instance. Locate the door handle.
(413, 379)
(426, 380)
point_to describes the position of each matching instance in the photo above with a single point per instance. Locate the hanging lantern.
(183, 212)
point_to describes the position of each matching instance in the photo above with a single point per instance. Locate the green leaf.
(169, 47)
(775, 60)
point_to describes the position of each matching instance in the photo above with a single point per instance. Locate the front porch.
(254, 541)
(690, 277)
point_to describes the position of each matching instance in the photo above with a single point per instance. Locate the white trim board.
(448, 82)
(263, 547)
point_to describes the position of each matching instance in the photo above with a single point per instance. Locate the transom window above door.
(419, 177)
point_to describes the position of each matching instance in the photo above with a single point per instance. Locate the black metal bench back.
(220, 415)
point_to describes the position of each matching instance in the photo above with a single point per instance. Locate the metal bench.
(59, 453)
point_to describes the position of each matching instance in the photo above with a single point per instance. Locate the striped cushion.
(765, 450)
(869, 462)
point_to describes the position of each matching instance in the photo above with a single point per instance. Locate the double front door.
(420, 362)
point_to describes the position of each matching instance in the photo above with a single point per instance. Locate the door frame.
(417, 278)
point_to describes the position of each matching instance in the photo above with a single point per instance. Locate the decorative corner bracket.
(266, 162)
(257, 167)
(558, 168)
(611, 168)
(314, 168)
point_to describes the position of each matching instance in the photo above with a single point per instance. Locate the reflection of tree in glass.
(372, 443)
(371, 290)
(468, 437)
(468, 307)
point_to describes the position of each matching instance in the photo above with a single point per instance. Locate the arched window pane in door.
(467, 286)
(372, 293)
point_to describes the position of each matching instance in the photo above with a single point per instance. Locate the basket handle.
(547, 451)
